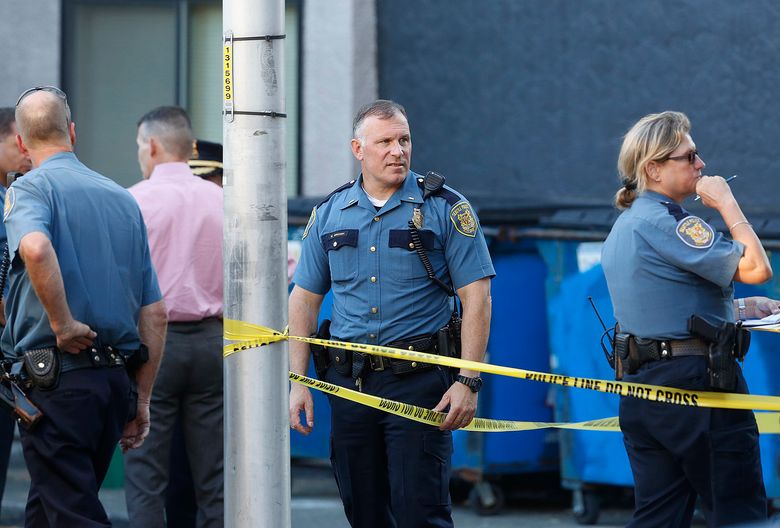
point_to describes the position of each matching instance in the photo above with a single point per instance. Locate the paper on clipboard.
(770, 322)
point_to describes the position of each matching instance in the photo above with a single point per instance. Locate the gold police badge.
(10, 200)
(695, 232)
(417, 218)
(463, 219)
(312, 218)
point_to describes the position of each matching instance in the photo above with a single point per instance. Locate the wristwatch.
(472, 383)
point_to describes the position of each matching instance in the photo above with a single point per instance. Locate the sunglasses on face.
(51, 89)
(690, 157)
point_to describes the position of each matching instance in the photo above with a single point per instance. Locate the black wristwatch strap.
(475, 384)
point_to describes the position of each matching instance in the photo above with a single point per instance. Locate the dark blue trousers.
(7, 428)
(69, 450)
(391, 472)
(678, 453)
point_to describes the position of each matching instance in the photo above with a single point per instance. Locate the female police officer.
(663, 265)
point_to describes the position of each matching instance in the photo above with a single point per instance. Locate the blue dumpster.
(760, 368)
(592, 459)
(518, 338)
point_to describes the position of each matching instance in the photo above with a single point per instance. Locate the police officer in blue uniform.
(391, 472)
(662, 266)
(11, 160)
(83, 298)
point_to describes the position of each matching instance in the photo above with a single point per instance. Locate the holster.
(135, 359)
(627, 360)
(728, 342)
(448, 338)
(14, 400)
(319, 353)
(43, 366)
(25, 410)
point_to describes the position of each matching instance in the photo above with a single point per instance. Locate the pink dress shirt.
(183, 216)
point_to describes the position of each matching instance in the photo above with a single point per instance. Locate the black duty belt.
(427, 344)
(92, 357)
(654, 350)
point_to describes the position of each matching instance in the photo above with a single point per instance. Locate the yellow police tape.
(248, 335)
(768, 422)
(430, 417)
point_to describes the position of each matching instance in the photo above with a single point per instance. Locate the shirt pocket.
(405, 263)
(341, 248)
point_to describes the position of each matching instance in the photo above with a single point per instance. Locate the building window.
(123, 58)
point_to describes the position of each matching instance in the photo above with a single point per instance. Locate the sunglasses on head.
(690, 157)
(51, 89)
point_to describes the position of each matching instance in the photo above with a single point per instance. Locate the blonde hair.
(652, 138)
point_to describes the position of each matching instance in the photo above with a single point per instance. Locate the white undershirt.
(374, 201)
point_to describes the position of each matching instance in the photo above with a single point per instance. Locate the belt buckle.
(377, 363)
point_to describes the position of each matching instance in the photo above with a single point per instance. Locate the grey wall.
(523, 103)
(29, 46)
(339, 76)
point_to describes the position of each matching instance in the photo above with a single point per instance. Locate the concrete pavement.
(315, 502)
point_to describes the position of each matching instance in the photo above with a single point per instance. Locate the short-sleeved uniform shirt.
(98, 234)
(663, 265)
(3, 237)
(381, 291)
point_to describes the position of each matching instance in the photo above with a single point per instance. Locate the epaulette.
(675, 210)
(450, 196)
(336, 191)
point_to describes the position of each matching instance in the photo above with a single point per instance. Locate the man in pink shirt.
(183, 216)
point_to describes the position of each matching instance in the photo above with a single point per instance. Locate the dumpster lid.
(583, 221)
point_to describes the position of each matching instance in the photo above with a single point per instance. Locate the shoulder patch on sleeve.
(695, 232)
(10, 201)
(463, 219)
(312, 218)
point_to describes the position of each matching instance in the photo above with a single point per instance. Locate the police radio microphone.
(432, 183)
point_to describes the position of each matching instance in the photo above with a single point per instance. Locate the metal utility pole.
(257, 438)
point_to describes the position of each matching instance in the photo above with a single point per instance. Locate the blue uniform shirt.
(99, 236)
(663, 265)
(381, 292)
(3, 237)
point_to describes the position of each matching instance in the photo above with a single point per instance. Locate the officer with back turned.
(671, 279)
(83, 298)
(359, 243)
(183, 214)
